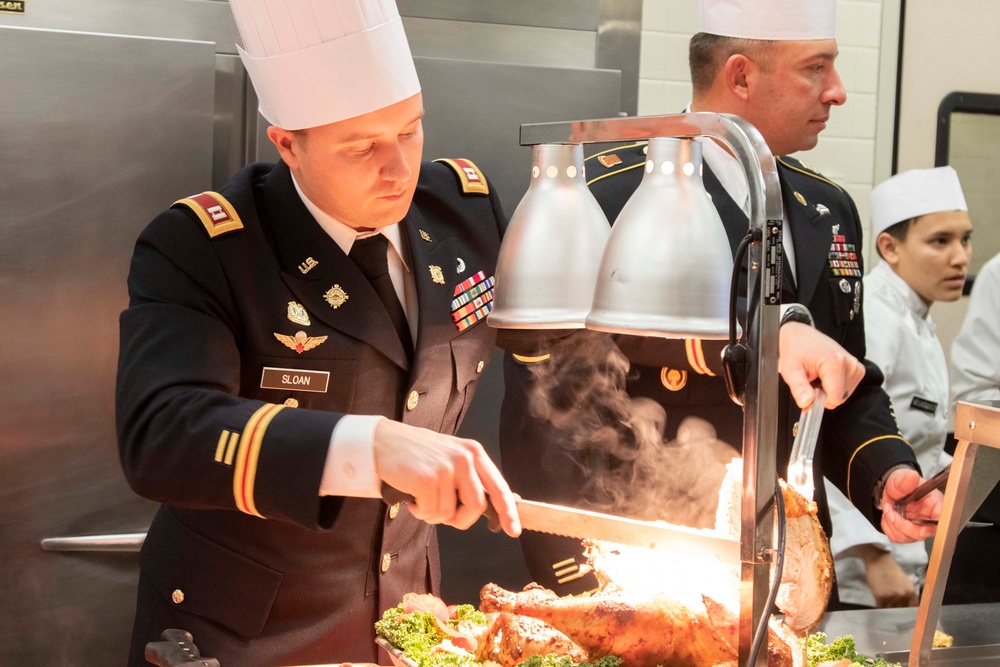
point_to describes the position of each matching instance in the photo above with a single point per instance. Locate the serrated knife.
(588, 525)
(584, 524)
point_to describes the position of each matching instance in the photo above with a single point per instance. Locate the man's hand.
(805, 354)
(902, 529)
(448, 477)
(890, 585)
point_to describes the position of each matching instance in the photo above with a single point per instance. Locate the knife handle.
(391, 495)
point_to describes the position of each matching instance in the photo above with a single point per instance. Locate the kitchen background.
(112, 109)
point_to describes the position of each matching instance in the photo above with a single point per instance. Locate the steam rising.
(581, 391)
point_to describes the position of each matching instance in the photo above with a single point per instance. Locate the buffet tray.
(958, 656)
(395, 654)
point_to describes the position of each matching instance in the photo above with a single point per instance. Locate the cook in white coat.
(923, 234)
(975, 365)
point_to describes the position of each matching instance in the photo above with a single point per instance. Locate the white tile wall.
(846, 150)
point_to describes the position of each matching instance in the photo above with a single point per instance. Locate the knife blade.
(584, 524)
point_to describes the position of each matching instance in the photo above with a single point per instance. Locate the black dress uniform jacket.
(244, 553)
(859, 441)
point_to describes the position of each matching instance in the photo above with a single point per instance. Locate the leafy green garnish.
(552, 660)
(840, 648)
(416, 633)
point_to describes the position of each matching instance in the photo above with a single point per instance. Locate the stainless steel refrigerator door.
(98, 133)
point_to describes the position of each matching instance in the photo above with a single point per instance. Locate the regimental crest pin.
(437, 275)
(673, 379)
(300, 342)
(308, 265)
(425, 236)
(461, 265)
(609, 160)
(297, 313)
(336, 296)
(835, 229)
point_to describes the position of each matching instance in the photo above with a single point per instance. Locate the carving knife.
(585, 524)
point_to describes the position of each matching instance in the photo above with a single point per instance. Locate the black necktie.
(370, 255)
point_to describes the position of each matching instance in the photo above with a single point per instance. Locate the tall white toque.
(914, 193)
(314, 62)
(769, 19)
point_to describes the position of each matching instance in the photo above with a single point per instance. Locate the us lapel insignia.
(473, 300)
(300, 342)
(425, 236)
(673, 379)
(308, 265)
(609, 160)
(822, 210)
(336, 296)
(297, 313)
(461, 265)
(437, 275)
(800, 198)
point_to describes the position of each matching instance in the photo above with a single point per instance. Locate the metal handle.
(126, 542)
(800, 463)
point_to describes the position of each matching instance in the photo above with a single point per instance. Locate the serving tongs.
(936, 482)
(800, 463)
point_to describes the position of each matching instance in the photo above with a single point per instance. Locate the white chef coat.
(975, 354)
(902, 340)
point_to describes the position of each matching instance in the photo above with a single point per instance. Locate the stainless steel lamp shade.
(548, 260)
(667, 267)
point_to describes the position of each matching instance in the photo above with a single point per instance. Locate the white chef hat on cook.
(769, 19)
(314, 62)
(914, 193)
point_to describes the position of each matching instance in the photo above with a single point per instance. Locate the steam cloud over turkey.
(619, 440)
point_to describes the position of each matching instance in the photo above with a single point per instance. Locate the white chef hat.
(314, 62)
(769, 19)
(914, 193)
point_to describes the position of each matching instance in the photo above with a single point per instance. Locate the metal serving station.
(764, 261)
(975, 628)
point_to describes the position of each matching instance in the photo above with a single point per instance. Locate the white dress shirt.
(350, 461)
(734, 180)
(902, 340)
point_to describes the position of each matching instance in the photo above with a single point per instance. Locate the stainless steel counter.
(879, 631)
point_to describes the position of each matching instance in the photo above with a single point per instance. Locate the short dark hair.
(707, 53)
(897, 231)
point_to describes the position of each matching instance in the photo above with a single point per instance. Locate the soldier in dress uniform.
(772, 63)
(923, 233)
(298, 341)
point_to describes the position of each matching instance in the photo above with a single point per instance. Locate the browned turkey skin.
(657, 631)
(511, 639)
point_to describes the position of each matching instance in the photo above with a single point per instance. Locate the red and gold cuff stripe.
(247, 456)
(696, 356)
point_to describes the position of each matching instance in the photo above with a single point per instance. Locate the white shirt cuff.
(350, 461)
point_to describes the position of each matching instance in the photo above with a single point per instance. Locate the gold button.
(412, 400)
(795, 429)
(177, 596)
(394, 511)
(386, 562)
(480, 366)
(292, 402)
